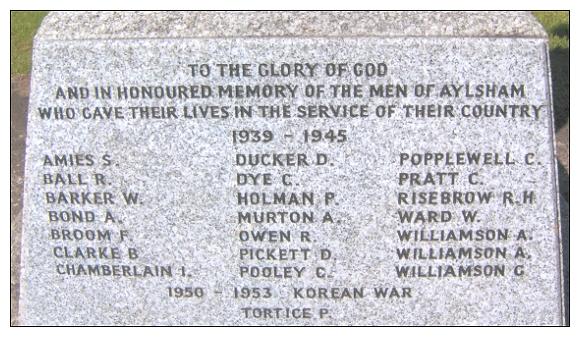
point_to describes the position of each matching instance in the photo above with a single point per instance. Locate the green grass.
(557, 24)
(23, 26)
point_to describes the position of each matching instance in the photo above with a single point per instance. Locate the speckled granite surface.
(137, 25)
(184, 170)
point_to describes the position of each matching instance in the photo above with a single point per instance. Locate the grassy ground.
(557, 24)
(23, 26)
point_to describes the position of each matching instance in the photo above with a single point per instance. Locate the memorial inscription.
(377, 168)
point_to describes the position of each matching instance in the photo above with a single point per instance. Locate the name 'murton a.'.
(290, 168)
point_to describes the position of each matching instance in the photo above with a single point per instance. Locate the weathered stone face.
(290, 169)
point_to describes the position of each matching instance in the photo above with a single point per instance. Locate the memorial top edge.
(211, 24)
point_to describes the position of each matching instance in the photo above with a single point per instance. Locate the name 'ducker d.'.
(281, 159)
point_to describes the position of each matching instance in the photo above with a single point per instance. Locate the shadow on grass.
(18, 116)
(562, 30)
(560, 65)
(565, 235)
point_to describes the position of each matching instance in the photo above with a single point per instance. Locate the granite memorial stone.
(290, 168)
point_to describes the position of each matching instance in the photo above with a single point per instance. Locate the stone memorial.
(290, 168)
